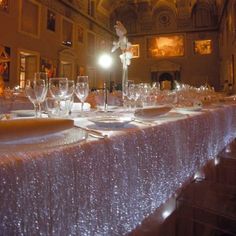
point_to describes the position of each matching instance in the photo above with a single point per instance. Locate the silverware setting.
(92, 132)
(143, 122)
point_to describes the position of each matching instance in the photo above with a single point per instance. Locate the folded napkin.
(11, 130)
(151, 112)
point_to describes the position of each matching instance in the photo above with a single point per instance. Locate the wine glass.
(68, 100)
(58, 88)
(82, 89)
(41, 75)
(36, 91)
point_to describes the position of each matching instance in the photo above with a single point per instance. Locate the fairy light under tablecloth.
(126, 55)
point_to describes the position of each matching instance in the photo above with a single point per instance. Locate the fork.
(92, 132)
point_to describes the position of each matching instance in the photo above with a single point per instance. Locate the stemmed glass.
(82, 89)
(58, 88)
(41, 75)
(133, 93)
(36, 91)
(68, 100)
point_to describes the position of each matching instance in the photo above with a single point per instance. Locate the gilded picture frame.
(135, 50)
(166, 46)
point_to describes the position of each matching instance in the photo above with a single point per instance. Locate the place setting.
(38, 134)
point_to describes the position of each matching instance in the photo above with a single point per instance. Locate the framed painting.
(81, 70)
(101, 45)
(48, 66)
(51, 20)
(135, 50)
(165, 46)
(5, 62)
(203, 47)
(4, 5)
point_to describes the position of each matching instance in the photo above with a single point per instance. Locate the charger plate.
(23, 113)
(51, 141)
(193, 108)
(111, 121)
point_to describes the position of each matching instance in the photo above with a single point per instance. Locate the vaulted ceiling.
(163, 15)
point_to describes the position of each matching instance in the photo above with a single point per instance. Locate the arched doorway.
(166, 80)
(165, 72)
(68, 62)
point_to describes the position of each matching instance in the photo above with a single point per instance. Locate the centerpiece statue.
(126, 55)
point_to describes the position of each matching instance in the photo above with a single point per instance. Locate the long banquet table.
(108, 186)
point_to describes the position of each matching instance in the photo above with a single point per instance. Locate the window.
(51, 20)
(91, 8)
(67, 32)
(30, 18)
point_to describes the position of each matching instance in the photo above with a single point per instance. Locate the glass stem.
(82, 106)
(37, 108)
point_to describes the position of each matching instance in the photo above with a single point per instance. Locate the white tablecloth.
(108, 186)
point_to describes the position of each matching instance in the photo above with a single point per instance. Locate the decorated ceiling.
(162, 15)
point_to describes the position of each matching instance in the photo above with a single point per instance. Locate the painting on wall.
(101, 44)
(81, 70)
(80, 32)
(48, 66)
(165, 46)
(51, 21)
(203, 47)
(4, 5)
(5, 62)
(135, 50)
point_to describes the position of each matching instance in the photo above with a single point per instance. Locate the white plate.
(151, 113)
(60, 139)
(111, 122)
(197, 108)
(23, 113)
(172, 115)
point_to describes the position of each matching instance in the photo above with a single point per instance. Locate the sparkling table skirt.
(107, 186)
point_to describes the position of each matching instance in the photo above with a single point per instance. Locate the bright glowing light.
(166, 213)
(216, 161)
(199, 175)
(105, 61)
(228, 149)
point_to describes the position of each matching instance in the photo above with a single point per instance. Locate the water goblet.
(58, 88)
(82, 89)
(68, 100)
(36, 91)
(133, 93)
(41, 75)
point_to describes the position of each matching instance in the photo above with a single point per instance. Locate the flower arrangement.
(126, 55)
